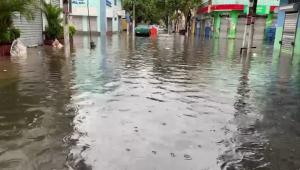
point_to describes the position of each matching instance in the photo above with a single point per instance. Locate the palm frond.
(9, 8)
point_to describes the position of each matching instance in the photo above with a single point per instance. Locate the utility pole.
(168, 24)
(246, 30)
(128, 22)
(252, 15)
(66, 28)
(103, 21)
(133, 22)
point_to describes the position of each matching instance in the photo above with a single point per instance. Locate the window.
(115, 2)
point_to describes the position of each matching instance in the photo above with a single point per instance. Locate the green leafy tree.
(175, 8)
(145, 10)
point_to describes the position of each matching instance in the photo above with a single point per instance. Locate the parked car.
(142, 29)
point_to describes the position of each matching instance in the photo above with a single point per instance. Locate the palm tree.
(9, 9)
(52, 13)
(53, 16)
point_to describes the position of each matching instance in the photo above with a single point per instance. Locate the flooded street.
(158, 103)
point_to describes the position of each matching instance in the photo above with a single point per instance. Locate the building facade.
(287, 39)
(227, 18)
(83, 23)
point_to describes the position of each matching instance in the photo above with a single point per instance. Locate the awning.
(290, 7)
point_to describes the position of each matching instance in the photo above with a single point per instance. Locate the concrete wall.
(80, 9)
(116, 8)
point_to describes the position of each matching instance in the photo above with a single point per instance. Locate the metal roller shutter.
(289, 32)
(202, 28)
(224, 27)
(77, 22)
(109, 24)
(94, 22)
(31, 32)
(240, 28)
(260, 27)
(55, 2)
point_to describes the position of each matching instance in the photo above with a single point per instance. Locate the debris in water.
(154, 152)
(127, 149)
(4, 70)
(199, 146)
(193, 116)
(172, 154)
(167, 48)
(254, 54)
(136, 130)
(183, 131)
(187, 157)
(164, 124)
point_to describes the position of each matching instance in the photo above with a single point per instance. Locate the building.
(287, 39)
(226, 19)
(83, 23)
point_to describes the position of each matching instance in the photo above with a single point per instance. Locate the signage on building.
(108, 3)
(79, 2)
(260, 9)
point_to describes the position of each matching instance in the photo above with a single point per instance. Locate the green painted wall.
(269, 20)
(233, 22)
(278, 37)
(218, 24)
(297, 44)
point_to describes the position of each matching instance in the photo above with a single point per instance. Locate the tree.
(145, 10)
(178, 6)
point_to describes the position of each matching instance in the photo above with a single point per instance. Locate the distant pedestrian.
(153, 31)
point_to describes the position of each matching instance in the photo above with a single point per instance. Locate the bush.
(4, 37)
(9, 35)
(72, 31)
(53, 32)
(14, 33)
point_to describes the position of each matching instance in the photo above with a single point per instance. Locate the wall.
(79, 8)
(297, 41)
(116, 8)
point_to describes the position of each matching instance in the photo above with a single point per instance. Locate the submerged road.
(158, 103)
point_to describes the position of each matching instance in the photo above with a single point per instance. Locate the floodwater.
(158, 103)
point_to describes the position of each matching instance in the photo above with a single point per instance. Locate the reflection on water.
(162, 102)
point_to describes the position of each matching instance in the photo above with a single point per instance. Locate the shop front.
(287, 39)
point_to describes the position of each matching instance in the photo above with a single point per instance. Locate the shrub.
(8, 36)
(14, 33)
(72, 30)
(4, 37)
(53, 32)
